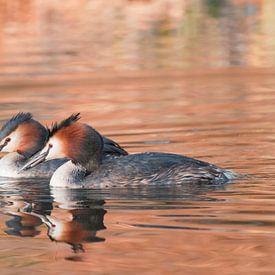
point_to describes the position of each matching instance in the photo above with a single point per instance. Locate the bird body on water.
(85, 168)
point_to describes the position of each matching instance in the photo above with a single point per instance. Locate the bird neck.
(25, 154)
(15, 157)
(92, 164)
(11, 163)
(90, 157)
(69, 175)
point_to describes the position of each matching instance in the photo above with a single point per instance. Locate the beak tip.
(21, 170)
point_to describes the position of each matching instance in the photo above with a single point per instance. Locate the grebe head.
(23, 135)
(73, 140)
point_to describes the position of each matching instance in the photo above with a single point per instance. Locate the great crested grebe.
(85, 169)
(22, 137)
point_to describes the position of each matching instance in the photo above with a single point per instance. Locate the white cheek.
(13, 144)
(56, 151)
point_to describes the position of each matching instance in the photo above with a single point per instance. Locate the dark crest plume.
(13, 123)
(63, 124)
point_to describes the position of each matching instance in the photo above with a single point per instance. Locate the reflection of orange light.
(259, 3)
(29, 220)
(140, 1)
(47, 38)
(70, 232)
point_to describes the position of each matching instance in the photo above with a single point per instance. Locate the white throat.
(68, 175)
(10, 165)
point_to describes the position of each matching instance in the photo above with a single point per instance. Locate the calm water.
(212, 99)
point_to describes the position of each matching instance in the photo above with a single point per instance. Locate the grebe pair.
(83, 146)
(22, 137)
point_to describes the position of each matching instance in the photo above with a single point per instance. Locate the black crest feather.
(13, 123)
(63, 124)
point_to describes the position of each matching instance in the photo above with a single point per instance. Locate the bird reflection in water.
(74, 220)
(23, 223)
(74, 216)
(82, 227)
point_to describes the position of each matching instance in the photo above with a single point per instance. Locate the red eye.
(50, 145)
(8, 140)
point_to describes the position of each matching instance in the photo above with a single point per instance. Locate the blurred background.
(53, 37)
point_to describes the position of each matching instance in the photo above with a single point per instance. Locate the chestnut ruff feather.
(111, 148)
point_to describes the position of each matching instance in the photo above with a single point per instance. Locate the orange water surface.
(189, 77)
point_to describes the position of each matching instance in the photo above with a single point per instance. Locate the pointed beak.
(35, 160)
(2, 146)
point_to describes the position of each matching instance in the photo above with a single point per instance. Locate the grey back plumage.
(112, 148)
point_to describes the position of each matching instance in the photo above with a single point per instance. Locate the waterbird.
(22, 136)
(85, 168)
